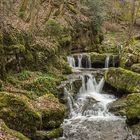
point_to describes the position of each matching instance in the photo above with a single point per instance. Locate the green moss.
(55, 133)
(122, 79)
(136, 68)
(12, 80)
(19, 114)
(133, 106)
(8, 133)
(42, 84)
(47, 135)
(130, 55)
(52, 111)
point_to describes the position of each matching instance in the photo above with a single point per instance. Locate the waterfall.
(70, 102)
(83, 87)
(107, 61)
(80, 61)
(71, 61)
(88, 62)
(89, 117)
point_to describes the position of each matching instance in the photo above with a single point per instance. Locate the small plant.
(24, 75)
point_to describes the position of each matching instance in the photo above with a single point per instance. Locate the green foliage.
(53, 28)
(24, 75)
(98, 14)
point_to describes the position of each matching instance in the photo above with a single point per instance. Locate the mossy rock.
(19, 114)
(42, 84)
(118, 107)
(130, 55)
(133, 108)
(9, 134)
(124, 80)
(47, 135)
(51, 110)
(136, 68)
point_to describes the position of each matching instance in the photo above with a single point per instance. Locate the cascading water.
(107, 61)
(71, 61)
(88, 62)
(89, 118)
(113, 61)
(79, 58)
(80, 61)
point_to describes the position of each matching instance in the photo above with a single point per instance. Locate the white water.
(88, 62)
(80, 61)
(89, 118)
(90, 91)
(71, 61)
(107, 61)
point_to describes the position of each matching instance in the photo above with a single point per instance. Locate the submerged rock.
(122, 79)
(9, 134)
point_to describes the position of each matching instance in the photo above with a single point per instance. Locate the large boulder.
(9, 134)
(124, 80)
(19, 114)
(130, 55)
(51, 110)
(133, 108)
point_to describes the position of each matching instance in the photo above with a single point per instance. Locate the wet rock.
(97, 60)
(122, 79)
(136, 68)
(118, 107)
(136, 130)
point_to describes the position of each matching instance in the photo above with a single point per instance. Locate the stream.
(88, 117)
